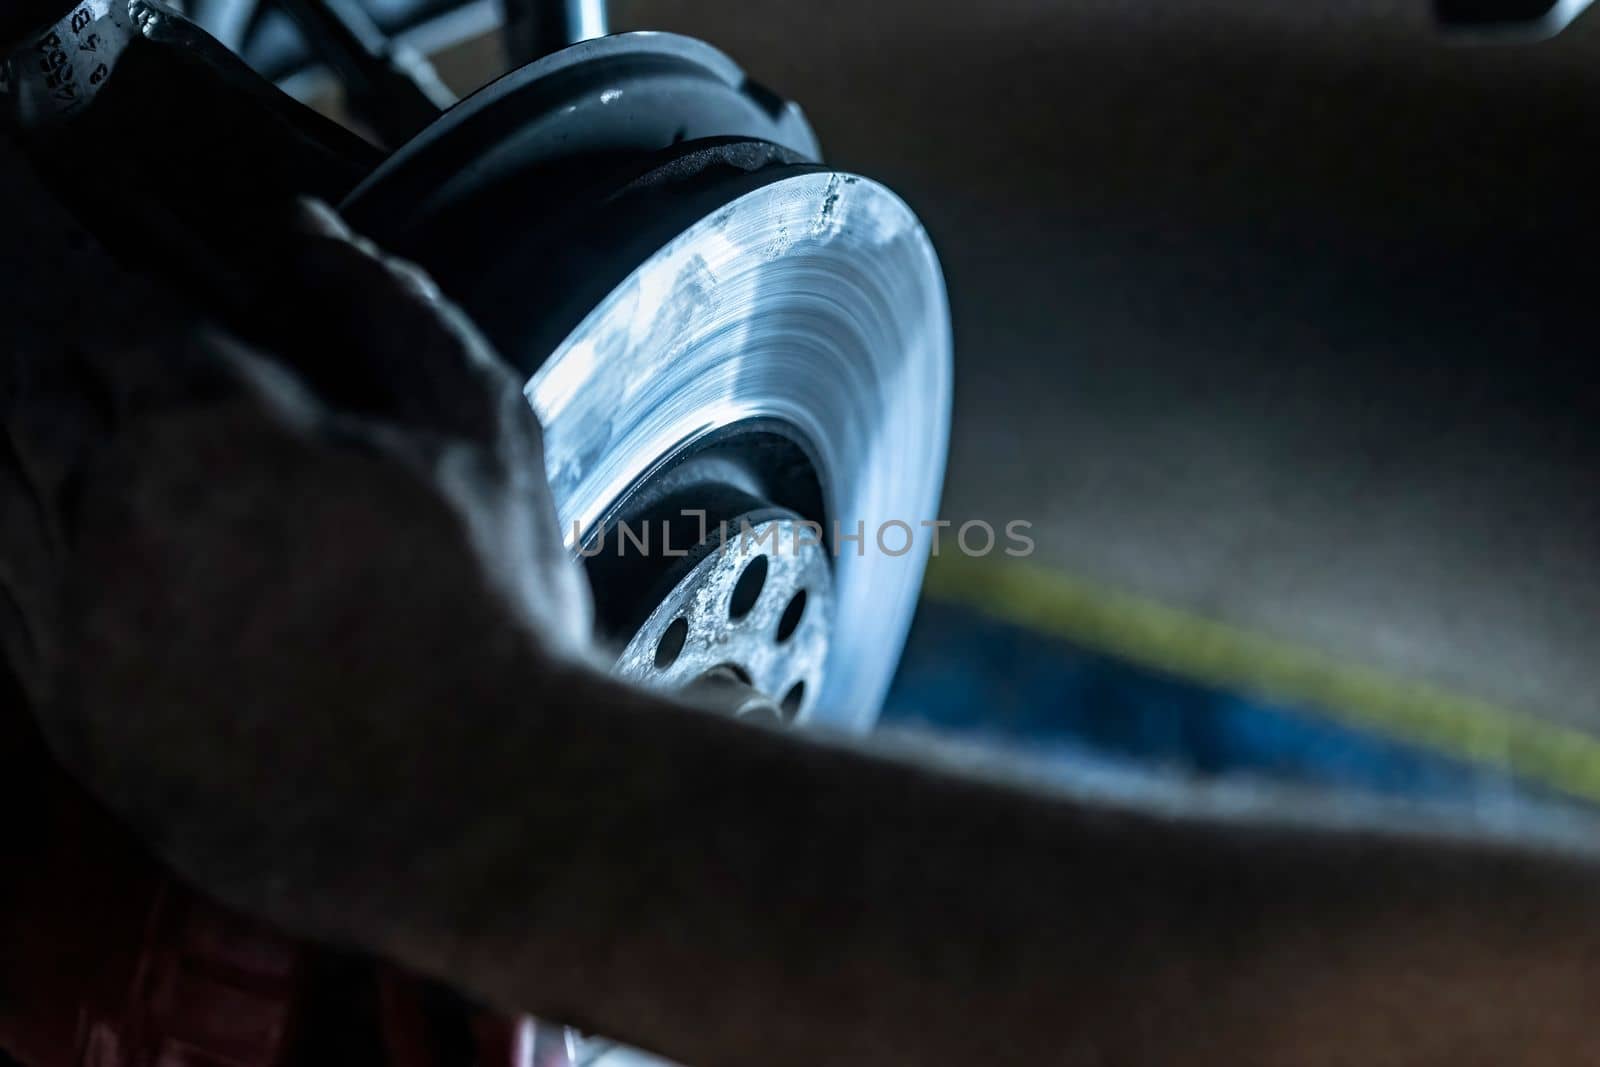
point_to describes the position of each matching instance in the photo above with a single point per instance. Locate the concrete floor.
(1275, 313)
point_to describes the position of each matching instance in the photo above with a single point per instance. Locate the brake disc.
(732, 348)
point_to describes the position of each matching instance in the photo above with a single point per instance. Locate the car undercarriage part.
(268, 38)
(534, 28)
(388, 82)
(735, 351)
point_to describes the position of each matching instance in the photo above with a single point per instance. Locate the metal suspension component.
(389, 84)
(535, 28)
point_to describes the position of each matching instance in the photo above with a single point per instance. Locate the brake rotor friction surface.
(815, 301)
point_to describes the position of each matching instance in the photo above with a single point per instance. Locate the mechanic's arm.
(330, 662)
(560, 844)
(307, 623)
(732, 896)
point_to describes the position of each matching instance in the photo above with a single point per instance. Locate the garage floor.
(1272, 318)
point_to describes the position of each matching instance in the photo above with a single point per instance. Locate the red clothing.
(108, 960)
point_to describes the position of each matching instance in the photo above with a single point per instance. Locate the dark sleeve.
(19, 19)
(62, 299)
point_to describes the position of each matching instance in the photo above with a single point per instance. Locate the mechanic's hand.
(411, 374)
(279, 572)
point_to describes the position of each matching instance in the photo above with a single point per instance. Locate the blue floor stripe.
(968, 673)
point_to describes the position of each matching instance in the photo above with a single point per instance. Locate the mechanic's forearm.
(732, 896)
(359, 734)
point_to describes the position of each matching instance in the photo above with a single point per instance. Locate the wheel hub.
(756, 606)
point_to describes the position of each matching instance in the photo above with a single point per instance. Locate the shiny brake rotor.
(720, 335)
(813, 303)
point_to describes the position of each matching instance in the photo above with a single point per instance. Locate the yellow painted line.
(1164, 638)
